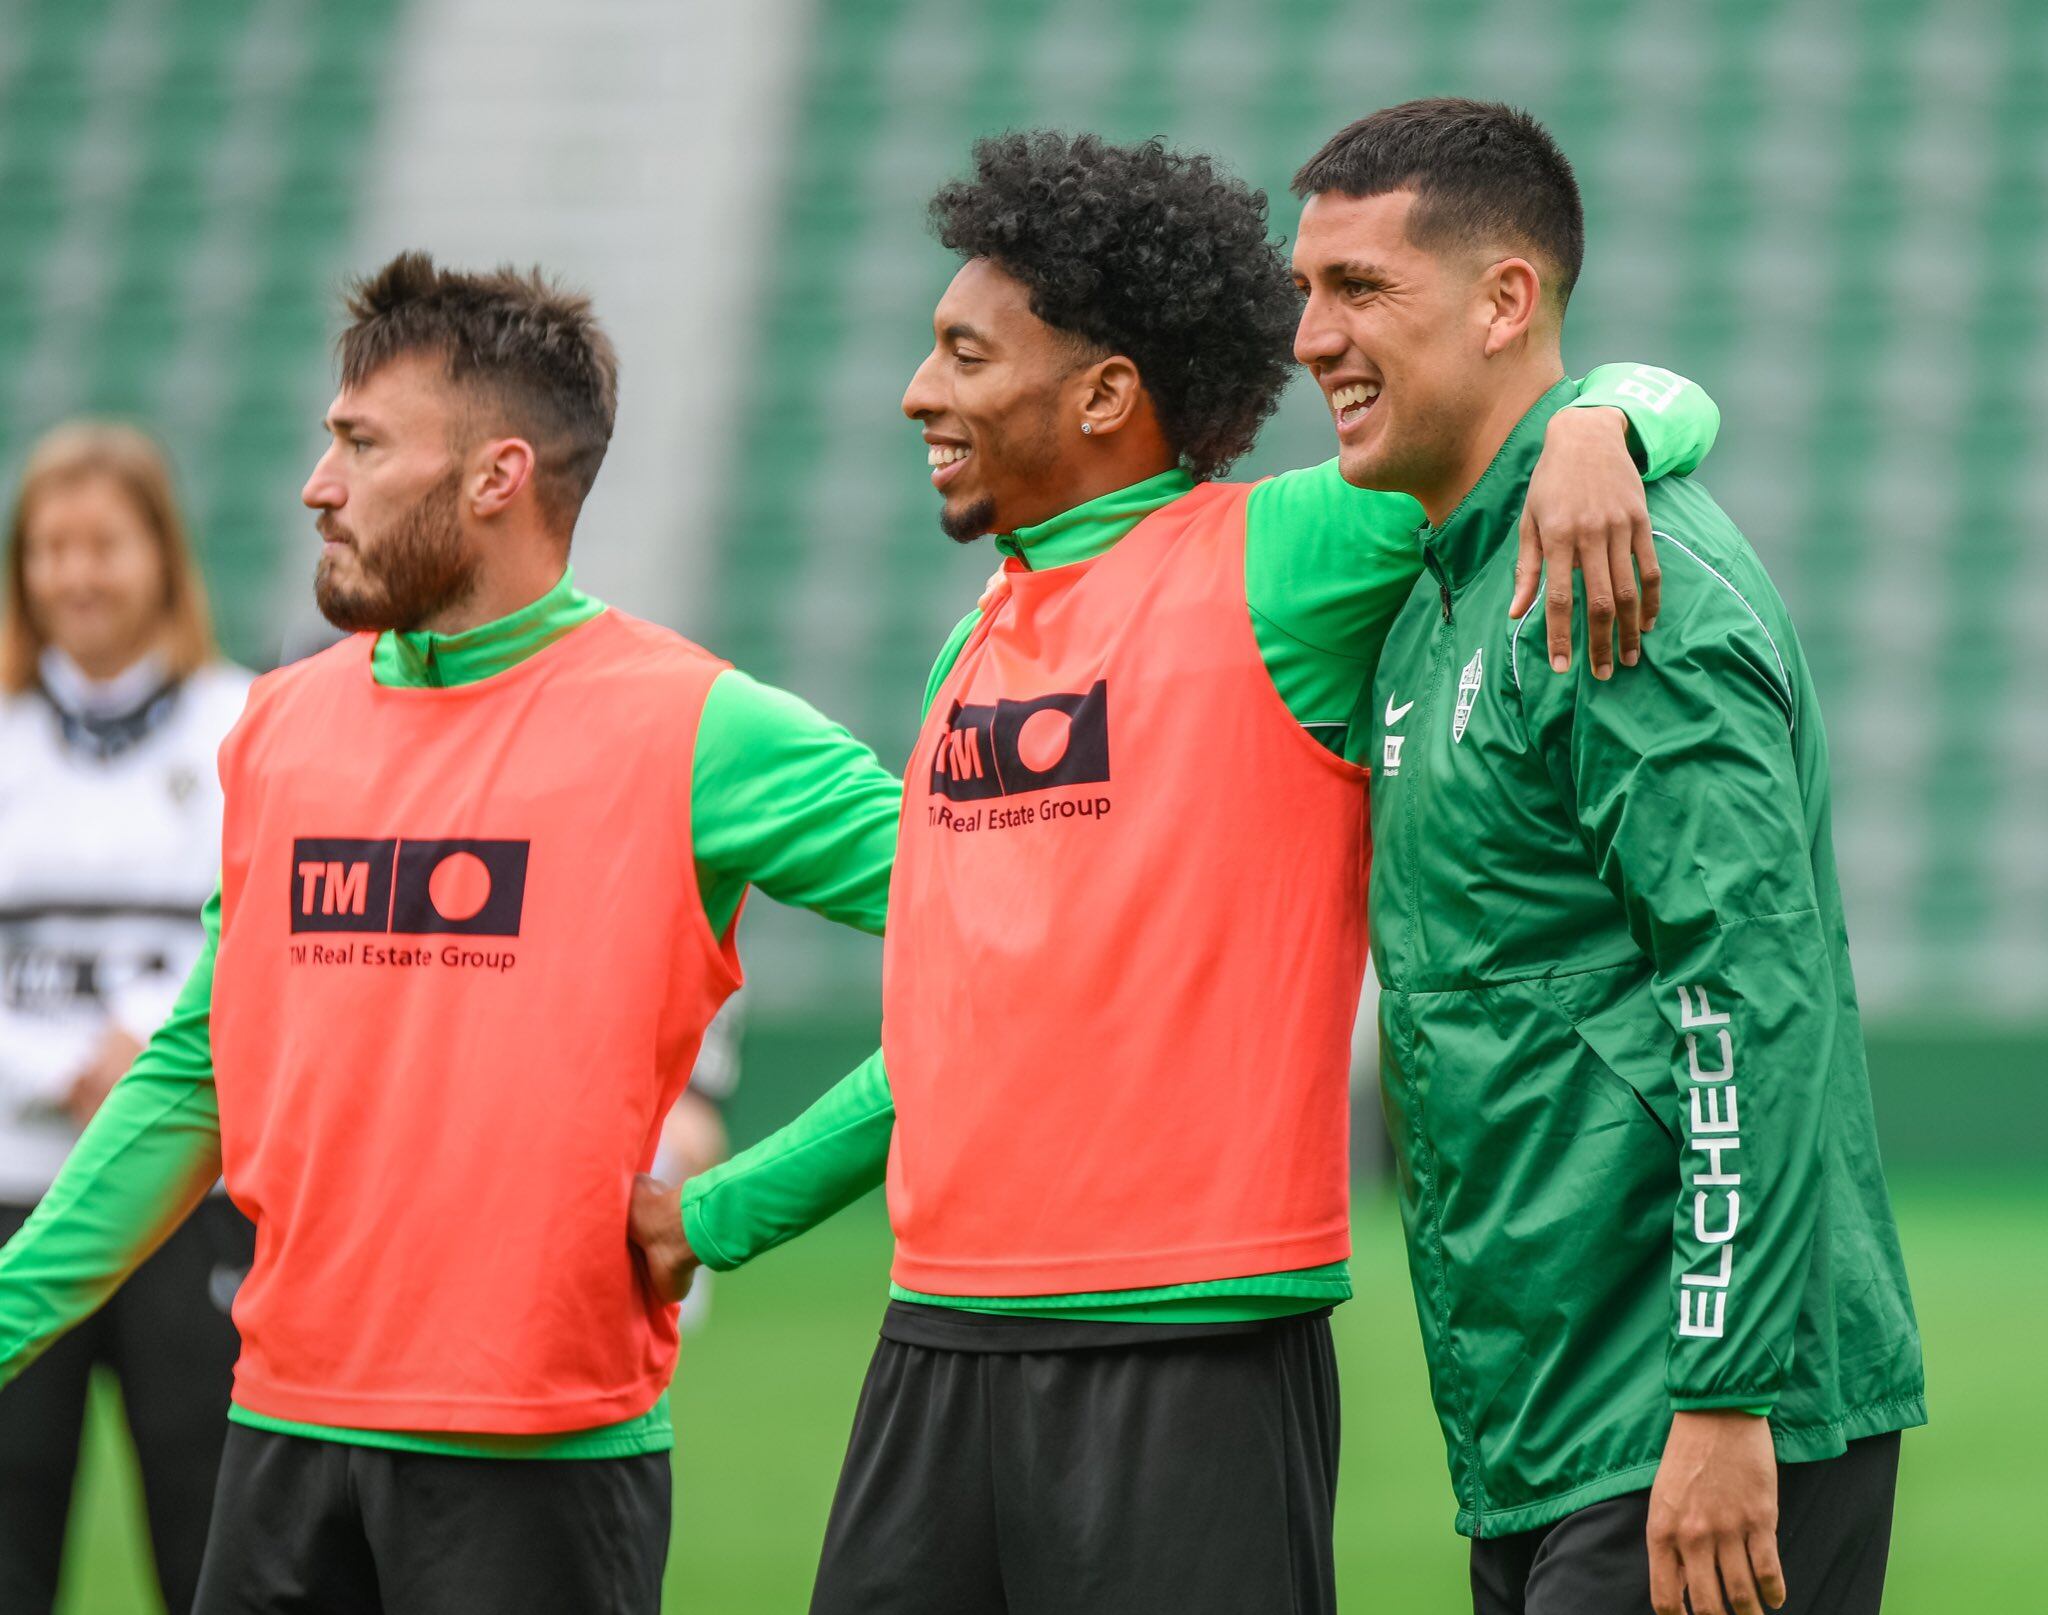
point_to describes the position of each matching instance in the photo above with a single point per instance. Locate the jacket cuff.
(706, 1249)
(1732, 1402)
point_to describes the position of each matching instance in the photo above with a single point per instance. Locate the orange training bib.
(1126, 937)
(463, 973)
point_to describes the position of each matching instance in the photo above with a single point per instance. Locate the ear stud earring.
(1087, 428)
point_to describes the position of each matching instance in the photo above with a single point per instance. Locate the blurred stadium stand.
(177, 185)
(1830, 213)
(631, 147)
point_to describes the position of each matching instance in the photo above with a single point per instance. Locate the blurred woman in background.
(112, 704)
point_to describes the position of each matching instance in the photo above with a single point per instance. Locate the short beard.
(412, 574)
(1029, 446)
(973, 521)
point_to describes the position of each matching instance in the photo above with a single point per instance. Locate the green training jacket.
(1621, 1058)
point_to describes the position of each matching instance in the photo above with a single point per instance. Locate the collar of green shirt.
(429, 661)
(1088, 529)
(1489, 515)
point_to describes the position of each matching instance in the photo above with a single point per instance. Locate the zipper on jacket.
(1443, 582)
(1441, 644)
(1468, 1479)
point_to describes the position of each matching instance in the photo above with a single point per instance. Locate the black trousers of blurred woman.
(167, 1338)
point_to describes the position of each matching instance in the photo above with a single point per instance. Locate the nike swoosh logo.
(1396, 714)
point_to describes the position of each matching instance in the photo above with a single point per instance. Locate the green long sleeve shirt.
(1623, 1066)
(781, 799)
(1327, 568)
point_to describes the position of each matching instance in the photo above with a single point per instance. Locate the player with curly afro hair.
(1143, 251)
(1121, 312)
(1126, 931)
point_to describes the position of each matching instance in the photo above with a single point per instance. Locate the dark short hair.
(532, 353)
(1482, 173)
(1146, 252)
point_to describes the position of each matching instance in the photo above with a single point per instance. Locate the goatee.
(969, 522)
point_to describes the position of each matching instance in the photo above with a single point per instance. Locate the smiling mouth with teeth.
(944, 459)
(1351, 403)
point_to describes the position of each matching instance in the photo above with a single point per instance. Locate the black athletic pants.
(167, 1337)
(1834, 1534)
(999, 1469)
(307, 1527)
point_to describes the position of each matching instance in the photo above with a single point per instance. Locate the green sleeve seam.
(1685, 941)
(1742, 626)
(1775, 914)
(187, 1095)
(1259, 616)
(1746, 620)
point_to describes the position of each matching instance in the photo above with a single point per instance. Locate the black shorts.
(1031, 1468)
(327, 1528)
(1834, 1535)
(167, 1337)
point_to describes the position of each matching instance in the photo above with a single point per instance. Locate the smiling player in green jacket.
(1658, 1277)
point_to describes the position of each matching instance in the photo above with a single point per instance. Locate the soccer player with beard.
(481, 868)
(1127, 926)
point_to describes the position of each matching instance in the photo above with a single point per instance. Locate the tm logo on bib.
(408, 888)
(1017, 746)
(1468, 693)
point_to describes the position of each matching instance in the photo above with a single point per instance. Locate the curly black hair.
(1151, 253)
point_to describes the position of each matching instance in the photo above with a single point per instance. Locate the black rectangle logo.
(465, 887)
(1017, 746)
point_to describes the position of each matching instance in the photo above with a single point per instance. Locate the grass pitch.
(766, 1393)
